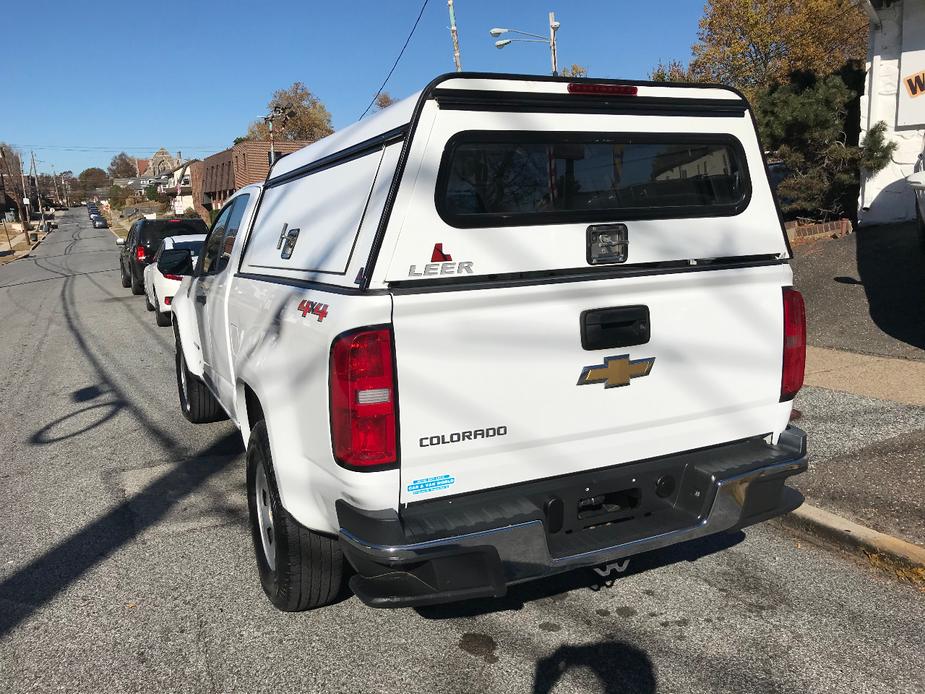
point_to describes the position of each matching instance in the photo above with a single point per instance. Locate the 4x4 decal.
(313, 307)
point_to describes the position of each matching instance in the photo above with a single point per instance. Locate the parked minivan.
(505, 328)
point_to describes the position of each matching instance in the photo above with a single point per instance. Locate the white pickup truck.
(505, 328)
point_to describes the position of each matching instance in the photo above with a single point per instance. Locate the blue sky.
(110, 76)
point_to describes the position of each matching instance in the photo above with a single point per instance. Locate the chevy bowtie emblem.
(615, 371)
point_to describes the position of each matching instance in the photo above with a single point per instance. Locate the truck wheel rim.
(265, 518)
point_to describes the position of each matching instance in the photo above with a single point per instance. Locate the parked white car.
(160, 288)
(505, 328)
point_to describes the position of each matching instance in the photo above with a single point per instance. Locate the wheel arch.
(249, 408)
(186, 334)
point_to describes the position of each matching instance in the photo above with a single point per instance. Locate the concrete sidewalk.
(865, 417)
(897, 380)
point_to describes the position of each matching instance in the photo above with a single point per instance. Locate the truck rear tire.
(196, 401)
(299, 568)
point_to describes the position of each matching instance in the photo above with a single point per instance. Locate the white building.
(895, 94)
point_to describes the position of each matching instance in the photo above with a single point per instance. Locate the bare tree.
(12, 181)
(306, 118)
(384, 100)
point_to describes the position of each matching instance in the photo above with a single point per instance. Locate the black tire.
(161, 318)
(126, 282)
(309, 566)
(196, 401)
(148, 304)
(137, 287)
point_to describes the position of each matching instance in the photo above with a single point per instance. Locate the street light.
(535, 38)
(284, 114)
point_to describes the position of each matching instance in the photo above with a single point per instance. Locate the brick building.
(231, 169)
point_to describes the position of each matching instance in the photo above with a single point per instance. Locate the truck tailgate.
(495, 387)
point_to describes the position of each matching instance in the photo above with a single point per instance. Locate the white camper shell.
(506, 327)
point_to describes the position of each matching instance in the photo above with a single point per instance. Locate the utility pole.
(38, 192)
(553, 28)
(455, 36)
(54, 179)
(26, 222)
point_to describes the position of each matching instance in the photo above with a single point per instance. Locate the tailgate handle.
(621, 326)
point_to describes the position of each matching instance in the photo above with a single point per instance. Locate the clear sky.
(85, 80)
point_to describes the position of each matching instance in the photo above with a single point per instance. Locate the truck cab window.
(231, 230)
(213, 243)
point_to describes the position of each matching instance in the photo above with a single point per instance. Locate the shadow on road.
(891, 264)
(35, 584)
(619, 667)
(39, 581)
(555, 587)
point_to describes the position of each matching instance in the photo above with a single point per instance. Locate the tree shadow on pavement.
(619, 667)
(891, 264)
(35, 584)
(555, 587)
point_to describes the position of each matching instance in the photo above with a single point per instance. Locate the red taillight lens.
(602, 89)
(167, 300)
(140, 253)
(794, 344)
(363, 422)
(169, 276)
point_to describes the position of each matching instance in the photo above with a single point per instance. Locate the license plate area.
(622, 504)
(609, 507)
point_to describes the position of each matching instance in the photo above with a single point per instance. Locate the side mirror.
(917, 180)
(176, 261)
(120, 242)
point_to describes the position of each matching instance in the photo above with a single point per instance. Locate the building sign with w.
(911, 107)
(915, 84)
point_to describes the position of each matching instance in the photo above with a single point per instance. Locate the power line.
(395, 64)
(94, 148)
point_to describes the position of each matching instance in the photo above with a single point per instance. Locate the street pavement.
(865, 292)
(126, 564)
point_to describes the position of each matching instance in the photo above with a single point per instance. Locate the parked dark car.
(100, 223)
(142, 242)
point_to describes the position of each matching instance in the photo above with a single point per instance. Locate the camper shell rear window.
(514, 178)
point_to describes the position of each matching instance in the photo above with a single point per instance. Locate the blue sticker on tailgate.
(431, 484)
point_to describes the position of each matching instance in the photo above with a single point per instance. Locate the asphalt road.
(865, 292)
(126, 564)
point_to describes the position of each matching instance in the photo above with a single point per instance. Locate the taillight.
(167, 300)
(602, 89)
(362, 379)
(169, 276)
(140, 253)
(794, 344)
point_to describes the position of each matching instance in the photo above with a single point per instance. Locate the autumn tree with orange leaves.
(754, 44)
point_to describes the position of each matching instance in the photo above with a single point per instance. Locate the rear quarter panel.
(283, 357)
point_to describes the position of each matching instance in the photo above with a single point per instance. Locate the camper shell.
(510, 326)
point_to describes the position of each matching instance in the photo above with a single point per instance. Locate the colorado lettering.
(458, 436)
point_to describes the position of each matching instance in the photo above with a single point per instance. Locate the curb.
(903, 558)
(31, 248)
